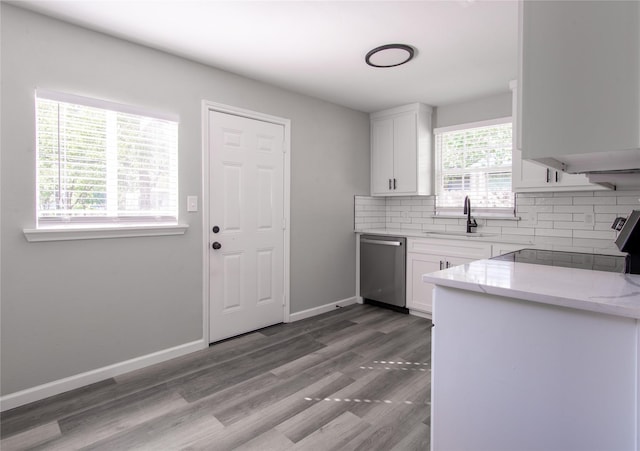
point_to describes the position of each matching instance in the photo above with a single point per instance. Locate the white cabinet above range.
(579, 96)
(529, 176)
(401, 156)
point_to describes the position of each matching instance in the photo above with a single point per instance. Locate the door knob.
(216, 245)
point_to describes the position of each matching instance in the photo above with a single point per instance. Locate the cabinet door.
(405, 154)
(580, 65)
(419, 293)
(533, 177)
(381, 156)
(528, 176)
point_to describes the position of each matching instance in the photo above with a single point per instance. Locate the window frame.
(122, 225)
(451, 211)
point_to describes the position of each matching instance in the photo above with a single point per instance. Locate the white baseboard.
(80, 380)
(322, 309)
(420, 314)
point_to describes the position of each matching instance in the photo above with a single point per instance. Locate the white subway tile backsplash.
(525, 200)
(544, 225)
(423, 208)
(605, 217)
(571, 225)
(633, 201)
(574, 193)
(545, 241)
(596, 244)
(565, 200)
(422, 220)
(620, 210)
(595, 234)
(594, 200)
(412, 226)
(411, 202)
(572, 208)
(552, 220)
(554, 232)
(517, 231)
(555, 217)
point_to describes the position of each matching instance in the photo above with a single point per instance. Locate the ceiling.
(464, 49)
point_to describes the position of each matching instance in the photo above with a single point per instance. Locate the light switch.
(192, 203)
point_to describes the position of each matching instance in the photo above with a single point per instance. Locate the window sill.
(101, 232)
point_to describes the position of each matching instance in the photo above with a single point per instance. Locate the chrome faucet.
(471, 222)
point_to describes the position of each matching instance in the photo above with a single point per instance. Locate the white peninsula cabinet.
(529, 176)
(401, 157)
(426, 256)
(534, 357)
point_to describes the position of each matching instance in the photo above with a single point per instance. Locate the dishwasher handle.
(382, 242)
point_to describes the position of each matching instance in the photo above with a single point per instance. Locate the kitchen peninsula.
(529, 356)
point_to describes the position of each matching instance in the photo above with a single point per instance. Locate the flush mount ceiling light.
(389, 55)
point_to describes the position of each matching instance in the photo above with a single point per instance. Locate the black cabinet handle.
(548, 178)
(389, 183)
(394, 183)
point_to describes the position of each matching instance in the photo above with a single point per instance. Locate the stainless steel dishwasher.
(382, 270)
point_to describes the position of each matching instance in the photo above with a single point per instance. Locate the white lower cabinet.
(425, 256)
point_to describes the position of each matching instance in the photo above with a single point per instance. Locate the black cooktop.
(597, 262)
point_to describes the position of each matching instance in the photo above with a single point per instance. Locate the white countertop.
(490, 237)
(597, 291)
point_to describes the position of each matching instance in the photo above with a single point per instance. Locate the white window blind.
(474, 160)
(101, 162)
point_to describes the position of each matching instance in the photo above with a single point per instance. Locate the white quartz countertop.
(480, 236)
(597, 291)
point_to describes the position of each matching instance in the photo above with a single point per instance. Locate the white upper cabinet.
(529, 176)
(579, 84)
(401, 156)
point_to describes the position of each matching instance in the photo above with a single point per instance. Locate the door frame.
(207, 107)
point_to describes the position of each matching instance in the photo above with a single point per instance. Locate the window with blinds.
(474, 160)
(101, 162)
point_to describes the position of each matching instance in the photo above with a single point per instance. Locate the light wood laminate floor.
(357, 378)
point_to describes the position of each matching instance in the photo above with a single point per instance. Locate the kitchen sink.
(460, 234)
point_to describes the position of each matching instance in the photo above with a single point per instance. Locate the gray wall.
(485, 108)
(70, 307)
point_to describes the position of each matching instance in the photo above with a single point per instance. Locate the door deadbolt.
(216, 229)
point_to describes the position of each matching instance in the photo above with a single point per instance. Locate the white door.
(246, 212)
